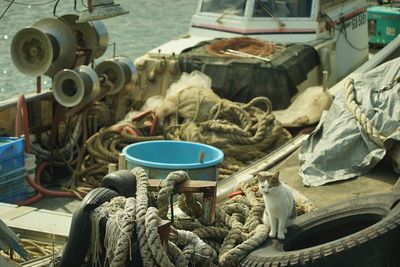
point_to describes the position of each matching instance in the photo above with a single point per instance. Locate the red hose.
(30, 200)
(22, 113)
(43, 190)
(153, 127)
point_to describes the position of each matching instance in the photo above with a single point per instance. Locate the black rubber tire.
(367, 234)
(79, 233)
(123, 182)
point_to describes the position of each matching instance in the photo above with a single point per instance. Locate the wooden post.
(112, 167)
(121, 162)
(163, 230)
(209, 205)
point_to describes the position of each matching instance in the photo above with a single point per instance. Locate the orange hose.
(236, 193)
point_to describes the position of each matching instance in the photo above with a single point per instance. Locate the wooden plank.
(192, 186)
(5, 207)
(43, 221)
(17, 212)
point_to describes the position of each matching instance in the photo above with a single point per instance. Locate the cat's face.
(267, 181)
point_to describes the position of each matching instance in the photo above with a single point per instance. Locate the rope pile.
(191, 111)
(133, 224)
(128, 216)
(243, 131)
(35, 248)
(100, 150)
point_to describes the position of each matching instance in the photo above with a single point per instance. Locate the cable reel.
(73, 87)
(91, 37)
(119, 71)
(44, 48)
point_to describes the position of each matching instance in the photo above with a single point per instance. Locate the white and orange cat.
(280, 209)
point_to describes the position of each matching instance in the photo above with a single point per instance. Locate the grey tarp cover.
(339, 148)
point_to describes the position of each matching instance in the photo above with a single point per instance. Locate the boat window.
(282, 8)
(228, 7)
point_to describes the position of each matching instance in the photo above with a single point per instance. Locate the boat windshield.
(283, 9)
(228, 7)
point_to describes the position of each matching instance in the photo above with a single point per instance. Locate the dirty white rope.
(237, 230)
(164, 194)
(360, 116)
(124, 215)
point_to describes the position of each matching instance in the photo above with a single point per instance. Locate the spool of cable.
(77, 86)
(44, 48)
(119, 71)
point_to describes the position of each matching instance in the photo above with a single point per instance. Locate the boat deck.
(380, 180)
(52, 215)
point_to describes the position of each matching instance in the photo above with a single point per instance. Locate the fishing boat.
(274, 68)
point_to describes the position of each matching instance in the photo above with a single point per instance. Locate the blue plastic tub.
(159, 158)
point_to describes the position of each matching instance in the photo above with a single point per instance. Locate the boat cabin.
(287, 20)
(344, 23)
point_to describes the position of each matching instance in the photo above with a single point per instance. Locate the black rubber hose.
(79, 234)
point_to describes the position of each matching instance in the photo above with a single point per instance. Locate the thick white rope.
(360, 116)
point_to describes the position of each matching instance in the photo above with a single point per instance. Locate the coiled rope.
(100, 150)
(36, 249)
(243, 131)
(126, 214)
(237, 230)
(360, 116)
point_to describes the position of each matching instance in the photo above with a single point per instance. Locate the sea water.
(149, 24)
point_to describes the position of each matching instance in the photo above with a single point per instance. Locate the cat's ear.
(260, 177)
(276, 175)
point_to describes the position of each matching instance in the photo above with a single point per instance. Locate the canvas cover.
(242, 79)
(340, 148)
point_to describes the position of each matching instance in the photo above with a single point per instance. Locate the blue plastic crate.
(11, 147)
(12, 184)
(15, 198)
(12, 164)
